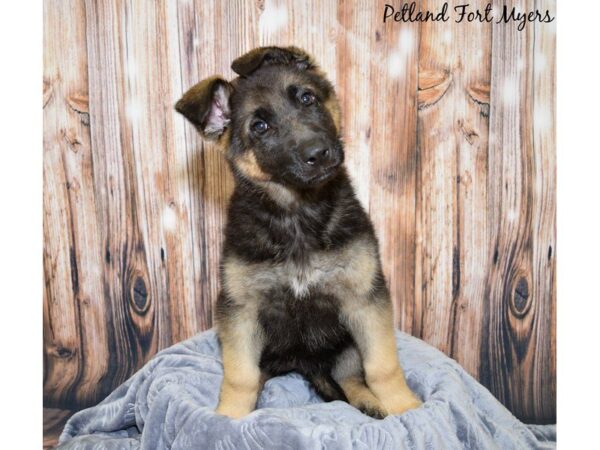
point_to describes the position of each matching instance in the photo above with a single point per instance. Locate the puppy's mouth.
(326, 174)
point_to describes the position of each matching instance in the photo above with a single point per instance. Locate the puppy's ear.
(263, 56)
(206, 105)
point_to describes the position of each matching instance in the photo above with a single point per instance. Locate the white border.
(578, 249)
(21, 224)
(578, 223)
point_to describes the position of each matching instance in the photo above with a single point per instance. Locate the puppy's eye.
(307, 98)
(260, 126)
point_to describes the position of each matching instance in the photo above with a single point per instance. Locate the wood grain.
(453, 140)
(74, 308)
(518, 351)
(449, 132)
(54, 422)
(392, 69)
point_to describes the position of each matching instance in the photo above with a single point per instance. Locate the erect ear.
(206, 105)
(263, 56)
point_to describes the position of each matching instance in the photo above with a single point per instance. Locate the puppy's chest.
(342, 274)
(299, 278)
(316, 274)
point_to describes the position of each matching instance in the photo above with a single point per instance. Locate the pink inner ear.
(218, 116)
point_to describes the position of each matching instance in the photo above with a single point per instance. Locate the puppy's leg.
(348, 373)
(372, 328)
(327, 388)
(241, 343)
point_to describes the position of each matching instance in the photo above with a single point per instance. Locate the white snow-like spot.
(539, 62)
(131, 69)
(512, 215)
(398, 59)
(542, 117)
(133, 110)
(510, 91)
(273, 17)
(520, 64)
(196, 42)
(406, 40)
(447, 37)
(396, 63)
(169, 218)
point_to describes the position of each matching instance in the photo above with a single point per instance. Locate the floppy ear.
(206, 105)
(290, 56)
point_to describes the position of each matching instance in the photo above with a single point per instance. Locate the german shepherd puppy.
(302, 285)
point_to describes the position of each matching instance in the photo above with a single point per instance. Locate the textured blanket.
(170, 403)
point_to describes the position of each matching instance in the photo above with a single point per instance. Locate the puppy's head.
(279, 119)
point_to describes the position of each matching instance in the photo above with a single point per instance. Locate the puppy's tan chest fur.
(345, 273)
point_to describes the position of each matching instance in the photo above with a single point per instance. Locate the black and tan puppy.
(302, 286)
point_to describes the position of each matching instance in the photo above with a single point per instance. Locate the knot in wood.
(139, 295)
(480, 94)
(520, 298)
(432, 86)
(62, 352)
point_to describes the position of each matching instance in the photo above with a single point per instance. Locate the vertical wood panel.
(62, 348)
(454, 80)
(355, 90)
(456, 171)
(393, 75)
(178, 251)
(436, 190)
(470, 258)
(144, 74)
(542, 348)
(190, 173)
(74, 311)
(129, 295)
(518, 327)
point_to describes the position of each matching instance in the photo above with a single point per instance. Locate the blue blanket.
(170, 403)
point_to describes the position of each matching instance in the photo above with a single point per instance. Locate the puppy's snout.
(315, 155)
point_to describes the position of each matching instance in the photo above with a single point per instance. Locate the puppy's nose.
(315, 155)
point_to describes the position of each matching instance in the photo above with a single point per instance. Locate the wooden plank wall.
(449, 132)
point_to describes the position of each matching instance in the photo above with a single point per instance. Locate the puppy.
(302, 285)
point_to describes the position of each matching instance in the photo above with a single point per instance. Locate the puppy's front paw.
(373, 410)
(401, 404)
(232, 410)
